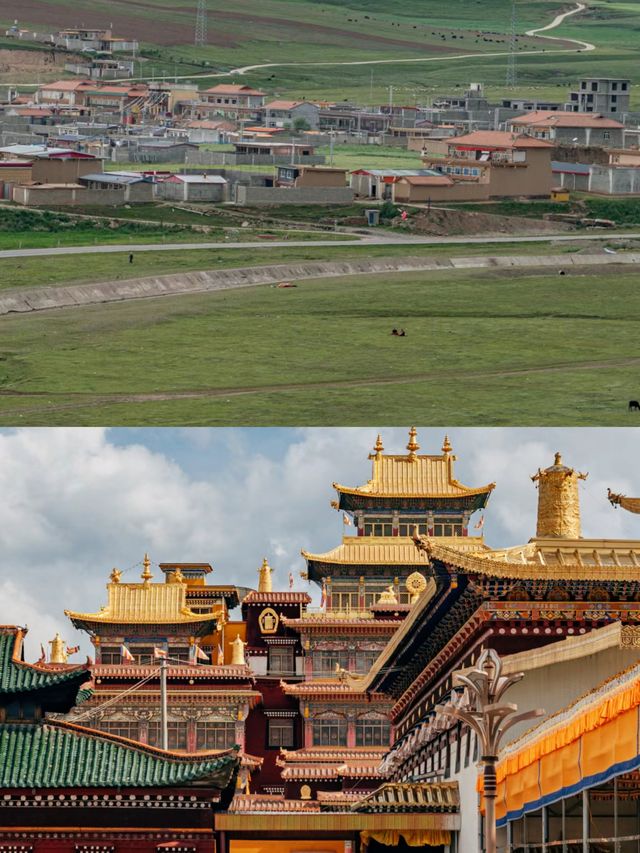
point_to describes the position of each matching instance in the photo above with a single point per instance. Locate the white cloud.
(78, 502)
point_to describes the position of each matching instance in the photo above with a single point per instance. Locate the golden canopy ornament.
(630, 504)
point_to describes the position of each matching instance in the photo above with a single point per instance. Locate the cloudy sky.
(77, 502)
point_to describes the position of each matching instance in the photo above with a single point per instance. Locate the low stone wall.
(25, 300)
(249, 196)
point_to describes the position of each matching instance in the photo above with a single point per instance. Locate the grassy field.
(500, 347)
(307, 31)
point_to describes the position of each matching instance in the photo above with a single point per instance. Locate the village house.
(491, 164)
(69, 93)
(563, 128)
(281, 113)
(98, 40)
(311, 176)
(231, 101)
(211, 188)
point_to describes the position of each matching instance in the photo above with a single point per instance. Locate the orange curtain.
(414, 838)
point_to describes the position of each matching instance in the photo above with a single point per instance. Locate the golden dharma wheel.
(416, 584)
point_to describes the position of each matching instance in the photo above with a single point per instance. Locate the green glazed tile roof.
(18, 677)
(61, 755)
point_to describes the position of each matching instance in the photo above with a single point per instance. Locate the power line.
(201, 24)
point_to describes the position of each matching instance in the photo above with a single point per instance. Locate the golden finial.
(264, 577)
(146, 573)
(378, 446)
(413, 445)
(115, 575)
(558, 501)
(237, 652)
(58, 650)
(446, 445)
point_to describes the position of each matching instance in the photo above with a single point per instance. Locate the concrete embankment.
(25, 300)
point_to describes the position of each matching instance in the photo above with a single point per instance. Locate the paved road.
(287, 244)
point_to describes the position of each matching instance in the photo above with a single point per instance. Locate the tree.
(301, 124)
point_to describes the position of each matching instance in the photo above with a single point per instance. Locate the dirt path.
(559, 19)
(84, 401)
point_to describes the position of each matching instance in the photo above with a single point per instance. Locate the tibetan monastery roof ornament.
(388, 596)
(630, 504)
(558, 501)
(264, 577)
(416, 584)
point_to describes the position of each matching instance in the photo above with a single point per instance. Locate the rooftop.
(499, 139)
(414, 475)
(550, 118)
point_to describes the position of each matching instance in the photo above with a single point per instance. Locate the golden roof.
(565, 559)
(413, 474)
(387, 550)
(143, 602)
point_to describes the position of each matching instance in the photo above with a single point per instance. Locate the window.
(281, 660)
(606, 134)
(330, 731)
(408, 525)
(344, 600)
(280, 733)
(176, 732)
(110, 655)
(122, 728)
(614, 87)
(365, 660)
(614, 99)
(623, 86)
(447, 526)
(141, 654)
(372, 732)
(594, 87)
(378, 527)
(179, 654)
(215, 735)
(325, 662)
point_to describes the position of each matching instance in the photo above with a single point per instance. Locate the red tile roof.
(232, 89)
(256, 597)
(551, 118)
(497, 139)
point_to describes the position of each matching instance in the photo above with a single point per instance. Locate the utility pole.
(201, 24)
(164, 732)
(332, 136)
(512, 73)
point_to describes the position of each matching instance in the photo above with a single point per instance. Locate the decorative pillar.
(329, 594)
(359, 517)
(430, 523)
(308, 730)
(585, 821)
(465, 523)
(191, 736)
(351, 731)
(395, 523)
(361, 593)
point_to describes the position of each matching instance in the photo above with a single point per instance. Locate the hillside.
(440, 45)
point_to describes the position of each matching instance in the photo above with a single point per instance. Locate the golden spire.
(264, 579)
(413, 445)
(237, 652)
(558, 501)
(58, 650)
(446, 446)
(146, 573)
(378, 446)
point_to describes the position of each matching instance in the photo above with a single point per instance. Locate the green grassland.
(323, 31)
(501, 347)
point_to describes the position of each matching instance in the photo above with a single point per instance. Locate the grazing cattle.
(634, 406)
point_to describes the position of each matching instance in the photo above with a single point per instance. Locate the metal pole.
(564, 827)
(164, 734)
(616, 842)
(545, 828)
(585, 821)
(490, 789)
